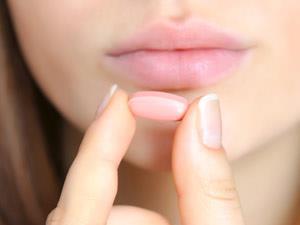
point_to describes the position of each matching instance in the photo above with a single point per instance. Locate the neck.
(267, 181)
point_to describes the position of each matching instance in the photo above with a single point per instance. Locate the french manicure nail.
(106, 99)
(210, 121)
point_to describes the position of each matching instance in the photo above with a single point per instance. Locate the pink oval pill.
(157, 105)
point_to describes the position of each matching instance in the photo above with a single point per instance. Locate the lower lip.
(178, 69)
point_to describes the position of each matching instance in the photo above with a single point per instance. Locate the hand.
(91, 183)
(205, 187)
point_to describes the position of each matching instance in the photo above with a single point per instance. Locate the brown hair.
(30, 177)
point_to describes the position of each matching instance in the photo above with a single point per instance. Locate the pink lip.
(177, 56)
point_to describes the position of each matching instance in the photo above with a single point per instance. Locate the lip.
(168, 55)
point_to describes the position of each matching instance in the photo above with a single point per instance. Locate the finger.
(131, 215)
(91, 184)
(204, 182)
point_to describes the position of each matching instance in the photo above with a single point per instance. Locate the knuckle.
(102, 174)
(222, 190)
(106, 178)
(96, 196)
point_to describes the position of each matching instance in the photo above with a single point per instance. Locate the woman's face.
(65, 44)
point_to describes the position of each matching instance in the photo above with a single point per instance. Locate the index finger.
(91, 183)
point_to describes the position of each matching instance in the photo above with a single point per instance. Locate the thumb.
(203, 178)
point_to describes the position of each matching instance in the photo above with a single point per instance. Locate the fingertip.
(112, 129)
(119, 105)
(117, 109)
(203, 177)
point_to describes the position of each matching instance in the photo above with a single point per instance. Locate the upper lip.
(192, 34)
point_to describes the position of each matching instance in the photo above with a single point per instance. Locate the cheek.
(268, 103)
(62, 42)
(286, 54)
(292, 34)
(54, 39)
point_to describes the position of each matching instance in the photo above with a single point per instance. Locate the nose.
(174, 10)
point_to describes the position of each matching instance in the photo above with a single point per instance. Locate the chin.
(151, 146)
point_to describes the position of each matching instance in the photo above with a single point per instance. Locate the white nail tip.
(107, 98)
(207, 98)
(210, 123)
(113, 90)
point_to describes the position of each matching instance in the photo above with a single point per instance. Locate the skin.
(204, 182)
(64, 44)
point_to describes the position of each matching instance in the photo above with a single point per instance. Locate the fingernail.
(106, 99)
(210, 121)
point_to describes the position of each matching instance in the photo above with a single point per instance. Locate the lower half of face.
(65, 45)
